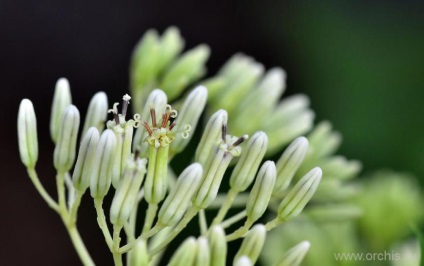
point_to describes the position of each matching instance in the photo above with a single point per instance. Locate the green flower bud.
(127, 191)
(261, 192)
(185, 254)
(171, 44)
(188, 68)
(156, 181)
(243, 261)
(179, 198)
(123, 152)
(249, 161)
(216, 167)
(64, 153)
(293, 204)
(287, 109)
(203, 257)
(85, 161)
(338, 167)
(252, 243)
(323, 140)
(138, 256)
(61, 99)
(218, 246)
(27, 134)
(156, 101)
(189, 115)
(101, 177)
(211, 133)
(295, 255)
(96, 113)
(289, 163)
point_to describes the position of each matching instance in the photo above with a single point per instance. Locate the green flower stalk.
(27, 134)
(64, 153)
(61, 99)
(252, 244)
(96, 113)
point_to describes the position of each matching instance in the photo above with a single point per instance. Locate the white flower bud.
(211, 133)
(203, 257)
(96, 113)
(27, 134)
(61, 99)
(261, 192)
(243, 261)
(156, 181)
(64, 153)
(179, 198)
(185, 254)
(123, 152)
(295, 255)
(138, 256)
(86, 156)
(127, 191)
(218, 246)
(101, 177)
(293, 204)
(249, 162)
(289, 163)
(252, 243)
(189, 115)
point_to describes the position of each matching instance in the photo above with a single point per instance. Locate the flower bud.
(127, 191)
(27, 134)
(61, 99)
(243, 261)
(171, 44)
(86, 156)
(101, 177)
(249, 161)
(123, 152)
(261, 192)
(338, 167)
(203, 256)
(188, 68)
(64, 153)
(218, 246)
(289, 163)
(138, 256)
(252, 243)
(211, 133)
(288, 108)
(179, 198)
(189, 115)
(156, 181)
(295, 255)
(185, 254)
(323, 140)
(293, 204)
(157, 100)
(96, 113)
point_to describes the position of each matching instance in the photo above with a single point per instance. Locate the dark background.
(361, 62)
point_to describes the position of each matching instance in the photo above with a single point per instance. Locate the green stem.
(79, 246)
(239, 202)
(241, 231)
(234, 219)
(44, 194)
(156, 229)
(75, 206)
(273, 223)
(225, 207)
(181, 225)
(117, 257)
(101, 220)
(202, 222)
(150, 216)
(60, 182)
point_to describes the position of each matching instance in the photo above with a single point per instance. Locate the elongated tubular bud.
(123, 152)
(64, 153)
(179, 198)
(138, 256)
(211, 133)
(156, 180)
(243, 261)
(293, 204)
(218, 246)
(252, 243)
(261, 192)
(212, 179)
(101, 177)
(203, 257)
(157, 99)
(127, 191)
(289, 163)
(189, 115)
(249, 162)
(295, 255)
(85, 161)
(27, 134)
(61, 99)
(96, 113)
(171, 44)
(185, 254)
